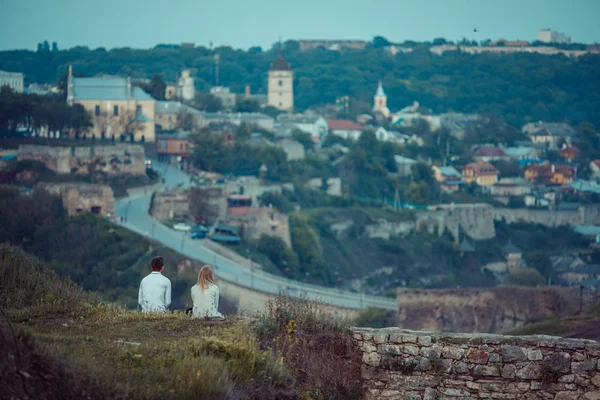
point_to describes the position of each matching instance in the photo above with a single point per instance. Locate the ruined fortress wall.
(118, 159)
(491, 310)
(550, 218)
(401, 364)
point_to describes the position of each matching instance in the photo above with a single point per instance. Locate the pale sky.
(246, 23)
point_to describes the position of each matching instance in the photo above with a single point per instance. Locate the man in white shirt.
(155, 289)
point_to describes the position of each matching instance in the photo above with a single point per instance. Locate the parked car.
(182, 227)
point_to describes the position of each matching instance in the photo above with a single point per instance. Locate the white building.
(313, 124)
(13, 80)
(380, 102)
(550, 36)
(185, 86)
(410, 115)
(344, 128)
(224, 94)
(253, 119)
(281, 85)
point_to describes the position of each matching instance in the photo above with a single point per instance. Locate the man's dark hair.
(157, 263)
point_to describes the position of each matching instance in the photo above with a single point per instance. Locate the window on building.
(180, 146)
(97, 110)
(116, 110)
(280, 83)
(138, 108)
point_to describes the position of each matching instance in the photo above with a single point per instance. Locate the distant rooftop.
(280, 64)
(106, 88)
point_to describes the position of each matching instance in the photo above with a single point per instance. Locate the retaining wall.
(402, 364)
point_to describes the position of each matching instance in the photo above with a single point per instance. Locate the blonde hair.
(205, 277)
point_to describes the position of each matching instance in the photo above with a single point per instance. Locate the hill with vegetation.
(560, 89)
(58, 342)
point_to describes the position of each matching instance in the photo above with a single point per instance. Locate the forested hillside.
(516, 87)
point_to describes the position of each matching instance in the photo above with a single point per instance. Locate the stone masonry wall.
(402, 364)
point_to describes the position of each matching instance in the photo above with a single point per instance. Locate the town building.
(281, 85)
(550, 36)
(480, 172)
(457, 123)
(519, 153)
(255, 222)
(293, 150)
(513, 257)
(554, 135)
(449, 178)
(174, 148)
(556, 174)
(13, 80)
(511, 187)
(313, 124)
(79, 198)
(260, 98)
(380, 102)
(411, 115)
(404, 165)
(112, 160)
(118, 110)
(171, 115)
(489, 153)
(335, 45)
(344, 128)
(570, 152)
(185, 86)
(209, 119)
(227, 97)
(183, 89)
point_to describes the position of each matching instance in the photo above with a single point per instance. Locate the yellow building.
(480, 172)
(118, 110)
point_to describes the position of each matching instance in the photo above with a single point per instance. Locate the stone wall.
(170, 205)
(112, 160)
(584, 215)
(83, 197)
(401, 364)
(491, 310)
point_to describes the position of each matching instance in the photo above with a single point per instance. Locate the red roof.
(570, 152)
(596, 163)
(343, 124)
(481, 168)
(489, 151)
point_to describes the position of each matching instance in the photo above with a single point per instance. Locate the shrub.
(314, 345)
(525, 277)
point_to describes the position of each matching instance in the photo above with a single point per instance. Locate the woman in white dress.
(205, 295)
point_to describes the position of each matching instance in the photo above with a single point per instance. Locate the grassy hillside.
(71, 347)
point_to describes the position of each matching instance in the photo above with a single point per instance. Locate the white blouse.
(206, 304)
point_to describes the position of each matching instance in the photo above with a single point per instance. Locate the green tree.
(246, 105)
(541, 262)
(208, 102)
(304, 138)
(525, 277)
(157, 87)
(421, 172)
(280, 254)
(417, 192)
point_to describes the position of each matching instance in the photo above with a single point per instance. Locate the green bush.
(525, 277)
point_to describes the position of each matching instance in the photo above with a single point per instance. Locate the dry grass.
(83, 349)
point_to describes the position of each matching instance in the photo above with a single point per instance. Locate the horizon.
(241, 25)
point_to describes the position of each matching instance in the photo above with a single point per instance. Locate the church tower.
(281, 85)
(380, 102)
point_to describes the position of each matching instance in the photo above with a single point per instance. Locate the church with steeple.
(380, 102)
(281, 85)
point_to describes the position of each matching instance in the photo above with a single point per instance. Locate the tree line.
(34, 113)
(516, 87)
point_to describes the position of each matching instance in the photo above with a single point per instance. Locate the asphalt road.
(135, 210)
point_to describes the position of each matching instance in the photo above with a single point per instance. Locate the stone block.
(530, 371)
(380, 337)
(578, 357)
(409, 338)
(425, 340)
(429, 394)
(512, 353)
(357, 336)
(424, 364)
(536, 385)
(453, 353)
(477, 356)
(566, 396)
(368, 347)
(509, 371)
(587, 365)
(581, 380)
(571, 343)
(372, 359)
(473, 385)
(595, 395)
(492, 386)
(388, 349)
(485, 370)
(557, 363)
(411, 350)
(596, 380)
(461, 368)
(496, 395)
(567, 378)
(534, 355)
(455, 392)
(494, 358)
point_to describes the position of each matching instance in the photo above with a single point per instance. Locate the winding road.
(135, 211)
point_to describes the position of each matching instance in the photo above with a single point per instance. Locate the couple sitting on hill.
(155, 292)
